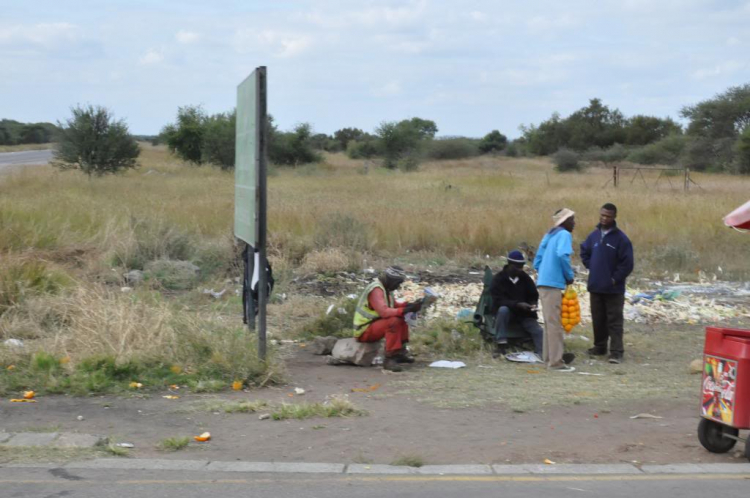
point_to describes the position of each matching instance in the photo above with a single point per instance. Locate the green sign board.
(246, 159)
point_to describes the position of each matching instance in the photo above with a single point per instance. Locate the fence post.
(614, 175)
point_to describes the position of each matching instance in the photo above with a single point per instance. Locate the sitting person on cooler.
(514, 302)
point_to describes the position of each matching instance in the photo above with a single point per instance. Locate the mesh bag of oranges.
(571, 310)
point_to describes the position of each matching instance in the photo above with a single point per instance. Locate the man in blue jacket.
(608, 254)
(552, 262)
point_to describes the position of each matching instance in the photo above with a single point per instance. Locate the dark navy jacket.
(608, 258)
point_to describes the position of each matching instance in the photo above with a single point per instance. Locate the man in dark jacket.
(608, 254)
(514, 300)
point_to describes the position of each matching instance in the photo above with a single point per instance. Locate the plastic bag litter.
(447, 364)
(524, 357)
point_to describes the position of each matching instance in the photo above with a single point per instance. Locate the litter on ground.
(447, 364)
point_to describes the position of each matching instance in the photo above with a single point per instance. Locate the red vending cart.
(725, 400)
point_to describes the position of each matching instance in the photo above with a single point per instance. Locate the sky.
(471, 65)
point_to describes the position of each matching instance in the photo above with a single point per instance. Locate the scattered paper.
(589, 373)
(170, 396)
(447, 364)
(548, 461)
(524, 357)
(125, 445)
(645, 415)
(299, 391)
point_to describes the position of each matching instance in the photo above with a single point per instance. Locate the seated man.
(514, 301)
(378, 315)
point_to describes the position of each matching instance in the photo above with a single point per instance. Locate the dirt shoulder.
(397, 424)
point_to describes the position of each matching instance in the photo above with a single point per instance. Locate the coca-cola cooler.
(725, 401)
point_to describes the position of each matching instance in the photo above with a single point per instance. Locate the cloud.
(186, 37)
(382, 18)
(151, 57)
(390, 89)
(723, 69)
(478, 15)
(279, 43)
(64, 39)
(544, 24)
(733, 41)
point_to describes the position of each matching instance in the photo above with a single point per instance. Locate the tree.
(715, 126)
(94, 142)
(402, 142)
(345, 135)
(494, 141)
(219, 139)
(186, 137)
(642, 130)
(743, 152)
(293, 148)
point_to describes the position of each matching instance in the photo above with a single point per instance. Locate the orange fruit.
(568, 327)
(237, 385)
(203, 437)
(29, 395)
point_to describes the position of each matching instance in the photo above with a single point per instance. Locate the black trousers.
(606, 317)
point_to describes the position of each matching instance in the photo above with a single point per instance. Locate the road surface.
(116, 483)
(24, 157)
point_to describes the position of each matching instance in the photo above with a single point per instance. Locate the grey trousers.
(554, 333)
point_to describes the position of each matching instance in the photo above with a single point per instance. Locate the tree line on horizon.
(717, 138)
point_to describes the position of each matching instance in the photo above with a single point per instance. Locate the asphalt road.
(47, 483)
(25, 157)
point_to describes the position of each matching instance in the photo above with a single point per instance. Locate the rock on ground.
(323, 345)
(357, 353)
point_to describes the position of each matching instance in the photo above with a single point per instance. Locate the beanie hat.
(516, 257)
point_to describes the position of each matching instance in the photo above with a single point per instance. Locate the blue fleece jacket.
(552, 260)
(609, 259)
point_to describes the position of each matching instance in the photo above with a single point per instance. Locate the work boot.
(403, 356)
(391, 364)
(500, 350)
(615, 358)
(597, 351)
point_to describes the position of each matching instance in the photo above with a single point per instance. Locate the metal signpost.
(250, 189)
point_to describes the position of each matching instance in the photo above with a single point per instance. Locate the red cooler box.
(725, 402)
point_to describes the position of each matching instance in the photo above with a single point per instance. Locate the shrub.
(185, 139)
(666, 151)
(95, 143)
(219, 140)
(338, 322)
(20, 278)
(362, 150)
(512, 149)
(566, 160)
(494, 141)
(147, 240)
(402, 142)
(293, 148)
(453, 148)
(743, 152)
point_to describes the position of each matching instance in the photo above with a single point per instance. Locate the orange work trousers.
(394, 329)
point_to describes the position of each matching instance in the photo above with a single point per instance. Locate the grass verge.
(172, 444)
(411, 460)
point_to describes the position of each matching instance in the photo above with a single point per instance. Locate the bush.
(666, 151)
(453, 148)
(613, 154)
(566, 160)
(402, 142)
(293, 148)
(185, 139)
(362, 150)
(95, 143)
(512, 149)
(20, 279)
(219, 140)
(494, 141)
(338, 323)
(743, 152)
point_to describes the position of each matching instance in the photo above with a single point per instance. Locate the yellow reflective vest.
(363, 314)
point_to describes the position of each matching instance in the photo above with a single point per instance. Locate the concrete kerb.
(382, 470)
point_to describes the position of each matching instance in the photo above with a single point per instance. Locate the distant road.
(24, 157)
